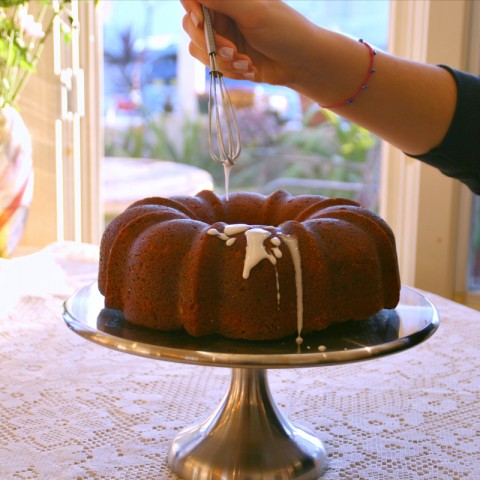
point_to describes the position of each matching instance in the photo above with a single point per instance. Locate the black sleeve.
(458, 155)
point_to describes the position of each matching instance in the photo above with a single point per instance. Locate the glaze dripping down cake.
(254, 267)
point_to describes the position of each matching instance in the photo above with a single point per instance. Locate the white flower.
(30, 26)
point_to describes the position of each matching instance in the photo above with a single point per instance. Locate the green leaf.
(11, 3)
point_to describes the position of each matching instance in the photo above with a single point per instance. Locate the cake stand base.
(247, 437)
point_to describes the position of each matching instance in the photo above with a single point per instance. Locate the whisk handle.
(209, 31)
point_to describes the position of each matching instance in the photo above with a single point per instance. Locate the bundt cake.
(251, 267)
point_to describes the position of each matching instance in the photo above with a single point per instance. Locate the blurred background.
(155, 106)
(119, 113)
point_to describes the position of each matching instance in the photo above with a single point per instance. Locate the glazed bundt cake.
(251, 267)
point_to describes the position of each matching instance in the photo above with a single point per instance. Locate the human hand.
(261, 40)
(267, 41)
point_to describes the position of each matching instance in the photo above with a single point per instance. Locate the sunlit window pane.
(156, 106)
(474, 257)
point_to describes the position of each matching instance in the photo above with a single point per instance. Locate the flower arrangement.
(24, 27)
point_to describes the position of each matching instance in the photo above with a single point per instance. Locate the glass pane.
(473, 266)
(287, 142)
(474, 257)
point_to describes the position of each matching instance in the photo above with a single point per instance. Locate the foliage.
(24, 28)
(334, 150)
(334, 138)
(164, 137)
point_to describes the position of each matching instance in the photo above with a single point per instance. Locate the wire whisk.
(224, 137)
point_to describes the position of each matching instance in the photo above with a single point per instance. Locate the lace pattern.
(73, 410)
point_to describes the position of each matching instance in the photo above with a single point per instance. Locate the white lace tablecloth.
(70, 409)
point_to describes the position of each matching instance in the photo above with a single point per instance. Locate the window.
(156, 103)
(425, 224)
(473, 281)
(468, 251)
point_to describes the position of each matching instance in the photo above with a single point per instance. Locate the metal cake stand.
(247, 436)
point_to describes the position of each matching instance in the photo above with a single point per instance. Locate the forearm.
(408, 104)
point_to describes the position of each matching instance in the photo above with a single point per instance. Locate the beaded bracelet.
(371, 69)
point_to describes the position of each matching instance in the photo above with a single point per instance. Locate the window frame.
(466, 198)
(66, 151)
(425, 223)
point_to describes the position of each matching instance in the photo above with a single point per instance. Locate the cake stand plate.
(247, 436)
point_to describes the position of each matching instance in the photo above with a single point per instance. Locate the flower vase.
(16, 178)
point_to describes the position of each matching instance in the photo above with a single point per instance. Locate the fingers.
(231, 63)
(239, 67)
(194, 10)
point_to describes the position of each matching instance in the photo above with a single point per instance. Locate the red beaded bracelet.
(372, 52)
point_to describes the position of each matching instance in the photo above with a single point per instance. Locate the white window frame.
(420, 203)
(66, 151)
(91, 60)
(462, 293)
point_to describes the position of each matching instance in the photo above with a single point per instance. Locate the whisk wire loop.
(225, 147)
(224, 136)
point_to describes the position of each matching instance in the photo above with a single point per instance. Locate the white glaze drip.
(277, 280)
(235, 228)
(227, 166)
(276, 241)
(213, 231)
(292, 244)
(256, 251)
(277, 252)
(228, 231)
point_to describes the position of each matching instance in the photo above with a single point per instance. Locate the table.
(74, 410)
(126, 180)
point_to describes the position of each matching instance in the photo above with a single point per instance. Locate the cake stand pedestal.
(247, 436)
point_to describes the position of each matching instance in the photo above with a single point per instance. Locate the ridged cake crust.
(172, 263)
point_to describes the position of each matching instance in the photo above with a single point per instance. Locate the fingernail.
(226, 53)
(195, 19)
(249, 75)
(241, 65)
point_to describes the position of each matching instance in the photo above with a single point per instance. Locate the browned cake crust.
(165, 268)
